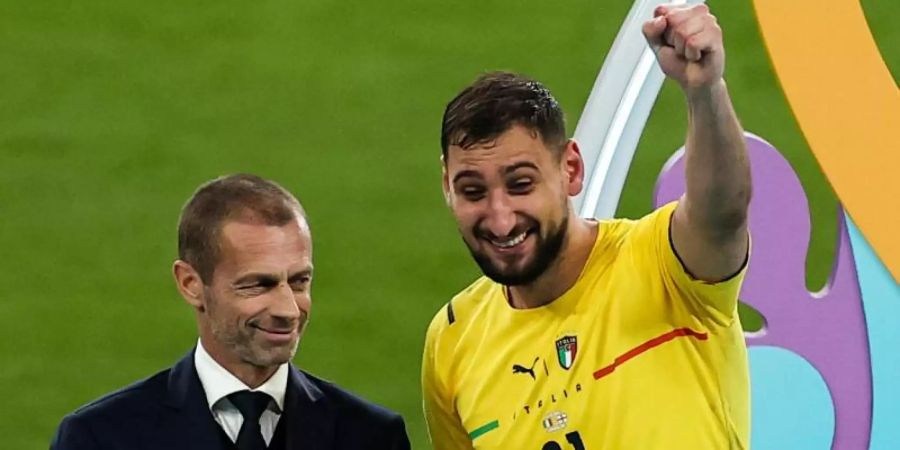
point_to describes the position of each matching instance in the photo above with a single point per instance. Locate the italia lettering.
(554, 397)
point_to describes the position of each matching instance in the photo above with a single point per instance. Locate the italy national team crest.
(566, 348)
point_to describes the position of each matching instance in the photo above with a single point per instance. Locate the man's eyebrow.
(261, 278)
(466, 174)
(519, 165)
(307, 272)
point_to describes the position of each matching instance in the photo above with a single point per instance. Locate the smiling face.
(510, 200)
(254, 310)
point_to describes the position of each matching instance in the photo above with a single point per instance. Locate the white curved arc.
(611, 143)
(616, 113)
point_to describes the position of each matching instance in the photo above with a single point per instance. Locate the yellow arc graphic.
(847, 105)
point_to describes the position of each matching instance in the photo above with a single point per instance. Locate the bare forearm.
(717, 169)
(709, 227)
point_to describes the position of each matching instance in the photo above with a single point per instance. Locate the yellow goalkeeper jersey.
(636, 355)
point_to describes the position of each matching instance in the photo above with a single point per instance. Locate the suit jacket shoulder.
(358, 423)
(105, 419)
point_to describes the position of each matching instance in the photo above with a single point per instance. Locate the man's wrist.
(705, 93)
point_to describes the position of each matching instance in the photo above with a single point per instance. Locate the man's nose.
(285, 304)
(501, 217)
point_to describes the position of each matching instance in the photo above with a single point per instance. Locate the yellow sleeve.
(444, 426)
(715, 301)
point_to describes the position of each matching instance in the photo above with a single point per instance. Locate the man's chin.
(275, 355)
(508, 277)
(272, 360)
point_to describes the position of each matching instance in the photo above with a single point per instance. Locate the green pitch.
(112, 111)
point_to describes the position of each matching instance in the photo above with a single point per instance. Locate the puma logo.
(530, 370)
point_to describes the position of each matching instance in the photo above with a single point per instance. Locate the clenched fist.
(687, 41)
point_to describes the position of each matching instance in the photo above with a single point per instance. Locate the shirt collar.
(218, 382)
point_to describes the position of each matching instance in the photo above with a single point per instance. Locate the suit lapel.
(189, 423)
(310, 419)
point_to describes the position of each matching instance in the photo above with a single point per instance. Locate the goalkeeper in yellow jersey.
(583, 334)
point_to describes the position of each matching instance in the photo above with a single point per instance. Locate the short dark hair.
(242, 197)
(494, 103)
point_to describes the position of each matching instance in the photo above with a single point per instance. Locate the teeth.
(512, 242)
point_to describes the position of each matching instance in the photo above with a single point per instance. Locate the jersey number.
(573, 438)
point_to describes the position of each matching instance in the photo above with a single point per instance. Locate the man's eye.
(472, 193)
(521, 185)
(258, 286)
(301, 284)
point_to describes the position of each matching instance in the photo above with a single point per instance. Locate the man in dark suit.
(245, 268)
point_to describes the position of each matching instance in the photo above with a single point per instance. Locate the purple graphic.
(827, 328)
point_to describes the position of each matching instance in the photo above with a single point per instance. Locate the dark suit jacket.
(169, 411)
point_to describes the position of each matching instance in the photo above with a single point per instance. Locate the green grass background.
(113, 111)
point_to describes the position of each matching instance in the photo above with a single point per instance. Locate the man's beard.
(547, 250)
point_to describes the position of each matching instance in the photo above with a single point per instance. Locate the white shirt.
(218, 383)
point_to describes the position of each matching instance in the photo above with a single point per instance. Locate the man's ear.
(573, 165)
(445, 181)
(189, 284)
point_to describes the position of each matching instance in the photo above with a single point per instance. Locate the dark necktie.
(251, 405)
